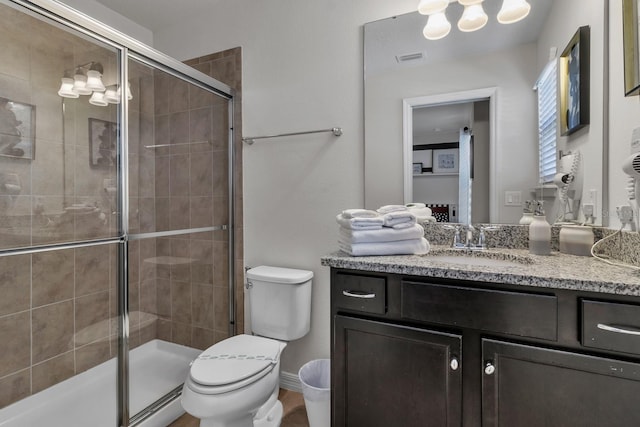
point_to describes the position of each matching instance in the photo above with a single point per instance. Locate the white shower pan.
(89, 398)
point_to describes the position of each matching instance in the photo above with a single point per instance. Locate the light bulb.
(112, 95)
(80, 84)
(98, 99)
(429, 7)
(66, 88)
(513, 11)
(437, 26)
(473, 18)
(94, 81)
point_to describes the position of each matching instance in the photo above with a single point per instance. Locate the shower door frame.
(129, 48)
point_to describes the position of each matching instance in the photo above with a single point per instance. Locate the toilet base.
(269, 415)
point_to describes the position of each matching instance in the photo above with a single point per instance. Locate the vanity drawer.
(360, 293)
(515, 313)
(611, 326)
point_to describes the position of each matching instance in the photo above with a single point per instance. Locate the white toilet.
(235, 382)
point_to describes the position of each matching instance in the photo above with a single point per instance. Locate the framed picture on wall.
(446, 161)
(417, 168)
(631, 48)
(574, 83)
(103, 138)
(17, 129)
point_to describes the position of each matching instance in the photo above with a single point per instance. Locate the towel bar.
(250, 140)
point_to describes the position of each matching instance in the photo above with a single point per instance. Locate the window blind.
(546, 87)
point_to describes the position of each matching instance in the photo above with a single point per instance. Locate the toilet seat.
(233, 363)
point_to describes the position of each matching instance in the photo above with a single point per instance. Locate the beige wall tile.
(181, 302)
(92, 270)
(15, 336)
(201, 179)
(52, 371)
(52, 330)
(91, 318)
(202, 338)
(15, 284)
(92, 355)
(202, 306)
(15, 387)
(53, 276)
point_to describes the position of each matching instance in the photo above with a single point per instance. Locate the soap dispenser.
(539, 232)
(527, 214)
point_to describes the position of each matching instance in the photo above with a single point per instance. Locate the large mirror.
(419, 93)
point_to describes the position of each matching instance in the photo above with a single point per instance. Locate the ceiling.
(156, 14)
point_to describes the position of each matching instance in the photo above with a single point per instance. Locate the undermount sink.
(483, 259)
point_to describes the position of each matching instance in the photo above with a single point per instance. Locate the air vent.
(409, 57)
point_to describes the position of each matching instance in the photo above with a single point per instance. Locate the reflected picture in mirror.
(17, 129)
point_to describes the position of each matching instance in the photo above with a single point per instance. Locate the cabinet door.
(389, 375)
(536, 387)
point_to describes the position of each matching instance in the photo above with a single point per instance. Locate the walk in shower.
(116, 221)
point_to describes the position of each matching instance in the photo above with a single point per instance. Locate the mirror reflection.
(420, 92)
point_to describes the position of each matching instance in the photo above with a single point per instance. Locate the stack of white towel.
(391, 230)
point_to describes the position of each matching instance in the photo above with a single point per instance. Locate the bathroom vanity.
(523, 341)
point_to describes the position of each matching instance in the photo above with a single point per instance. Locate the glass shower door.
(58, 224)
(178, 213)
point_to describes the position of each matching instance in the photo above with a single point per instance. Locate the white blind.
(546, 86)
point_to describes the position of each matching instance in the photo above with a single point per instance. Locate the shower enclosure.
(116, 221)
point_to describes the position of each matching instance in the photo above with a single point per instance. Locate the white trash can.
(315, 377)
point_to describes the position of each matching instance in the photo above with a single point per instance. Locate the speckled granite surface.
(558, 270)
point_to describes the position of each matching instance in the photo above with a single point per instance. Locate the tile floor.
(295, 415)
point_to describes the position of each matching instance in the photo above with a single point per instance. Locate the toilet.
(235, 383)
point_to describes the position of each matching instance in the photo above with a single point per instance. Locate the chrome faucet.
(468, 242)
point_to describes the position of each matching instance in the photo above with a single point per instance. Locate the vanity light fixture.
(87, 80)
(473, 18)
(513, 11)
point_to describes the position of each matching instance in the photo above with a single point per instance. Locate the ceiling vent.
(409, 57)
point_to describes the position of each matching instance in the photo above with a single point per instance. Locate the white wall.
(624, 113)
(565, 18)
(112, 19)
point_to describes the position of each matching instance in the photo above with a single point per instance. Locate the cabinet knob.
(489, 369)
(454, 364)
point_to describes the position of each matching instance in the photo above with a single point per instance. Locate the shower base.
(89, 398)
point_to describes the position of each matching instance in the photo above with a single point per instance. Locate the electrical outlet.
(588, 210)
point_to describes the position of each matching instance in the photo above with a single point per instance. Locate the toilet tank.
(279, 302)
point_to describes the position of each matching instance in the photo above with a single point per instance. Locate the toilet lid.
(234, 359)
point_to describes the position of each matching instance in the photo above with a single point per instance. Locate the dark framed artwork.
(631, 45)
(103, 139)
(17, 129)
(574, 83)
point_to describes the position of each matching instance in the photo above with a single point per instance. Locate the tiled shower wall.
(182, 280)
(58, 308)
(54, 306)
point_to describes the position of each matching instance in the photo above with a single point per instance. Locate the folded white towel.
(415, 205)
(422, 214)
(359, 213)
(360, 223)
(401, 219)
(391, 208)
(384, 234)
(401, 247)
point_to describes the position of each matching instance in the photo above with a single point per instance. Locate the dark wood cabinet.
(537, 387)
(416, 351)
(393, 375)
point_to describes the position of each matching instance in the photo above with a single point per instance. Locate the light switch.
(513, 198)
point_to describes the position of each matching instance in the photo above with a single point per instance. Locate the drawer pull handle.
(489, 368)
(619, 329)
(358, 294)
(454, 364)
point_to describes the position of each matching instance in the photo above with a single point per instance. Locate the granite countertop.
(558, 270)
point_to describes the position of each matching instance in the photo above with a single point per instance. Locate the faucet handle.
(482, 238)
